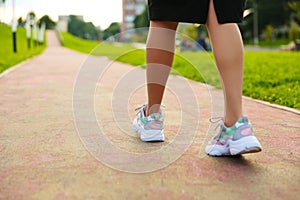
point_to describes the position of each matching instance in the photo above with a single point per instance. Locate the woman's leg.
(228, 50)
(159, 58)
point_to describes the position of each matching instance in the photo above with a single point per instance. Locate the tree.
(269, 33)
(191, 31)
(75, 26)
(295, 7)
(294, 32)
(268, 12)
(50, 24)
(89, 31)
(85, 30)
(21, 22)
(32, 15)
(142, 20)
(113, 29)
(276, 13)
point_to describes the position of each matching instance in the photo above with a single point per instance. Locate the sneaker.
(149, 128)
(236, 140)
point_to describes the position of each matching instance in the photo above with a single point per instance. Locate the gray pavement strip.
(90, 129)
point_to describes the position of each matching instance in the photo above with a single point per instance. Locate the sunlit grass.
(7, 57)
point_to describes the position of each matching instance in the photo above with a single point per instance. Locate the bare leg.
(228, 50)
(159, 58)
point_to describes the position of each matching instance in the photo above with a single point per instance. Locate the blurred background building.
(131, 8)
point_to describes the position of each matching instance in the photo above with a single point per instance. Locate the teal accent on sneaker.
(144, 120)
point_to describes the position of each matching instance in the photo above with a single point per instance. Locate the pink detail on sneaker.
(154, 126)
(246, 131)
(216, 142)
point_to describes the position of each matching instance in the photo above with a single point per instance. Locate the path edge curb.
(15, 67)
(276, 106)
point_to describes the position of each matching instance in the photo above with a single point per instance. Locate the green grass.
(271, 44)
(78, 44)
(269, 76)
(273, 77)
(96, 48)
(7, 57)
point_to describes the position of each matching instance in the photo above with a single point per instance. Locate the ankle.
(230, 121)
(147, 111)
(152, 109)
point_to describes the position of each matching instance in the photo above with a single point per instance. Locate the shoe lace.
(139, 109)
(215, 120)
(136, 109)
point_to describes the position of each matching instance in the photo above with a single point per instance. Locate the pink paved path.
(42, 156)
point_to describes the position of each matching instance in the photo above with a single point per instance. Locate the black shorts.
(195, 11)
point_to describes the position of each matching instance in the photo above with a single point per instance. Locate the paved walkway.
(42, 156)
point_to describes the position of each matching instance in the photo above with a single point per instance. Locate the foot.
(149, 128)
(236, 140)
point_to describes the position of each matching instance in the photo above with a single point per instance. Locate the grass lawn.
(93, 47)
(7, 57)
(272, 44)
(273, 77)
(269, 76)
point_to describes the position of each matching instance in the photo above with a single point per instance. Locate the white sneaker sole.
(244, 145)
(149, 135)
(217, 150)
(248, 144)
